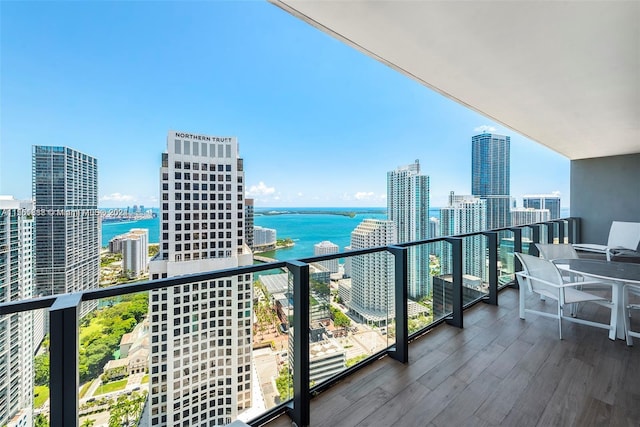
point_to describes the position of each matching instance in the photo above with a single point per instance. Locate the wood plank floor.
(497, 371)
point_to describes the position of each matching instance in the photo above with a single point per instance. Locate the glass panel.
(442, 269)
(115, 342)
(475, 273)
(506, 259)
(423, 262)
(273, 335)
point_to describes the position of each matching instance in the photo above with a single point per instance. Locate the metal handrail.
(64, 313)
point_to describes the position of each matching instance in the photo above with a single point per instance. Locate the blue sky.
(318, 123)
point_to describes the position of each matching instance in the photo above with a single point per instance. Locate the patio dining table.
(613, 272)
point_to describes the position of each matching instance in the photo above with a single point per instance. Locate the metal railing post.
(533, 249)
(63, 359)
(300, 412)
(517, 247)
(574, 230)
(560, 232)
(400, 352)
(492, 248)
(551, 232)
(456, 291)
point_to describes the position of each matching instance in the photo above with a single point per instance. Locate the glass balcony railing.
(303, 327)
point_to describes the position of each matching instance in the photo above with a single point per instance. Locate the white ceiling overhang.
(564, 74)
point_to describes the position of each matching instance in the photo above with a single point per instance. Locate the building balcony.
(473, 361)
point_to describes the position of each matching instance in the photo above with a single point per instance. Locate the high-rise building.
(490, 176)
(522, 216)
(65, 192)
(372, 275)
(464, 214)
(201, 337)
(135, 252)
(248, 222)
(325, 248)
(408, 209)
(264, 239)
(543, 201)
(16, 330)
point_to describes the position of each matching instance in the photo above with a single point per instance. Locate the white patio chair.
(622, 235)
(552, 252)
(627, 290)
(543, 277)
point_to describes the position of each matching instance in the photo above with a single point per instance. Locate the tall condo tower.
(464, 214)
(408, 209)
(16, 330)
(490, 176)
(67, 228)
(372, 279)
(201, 367)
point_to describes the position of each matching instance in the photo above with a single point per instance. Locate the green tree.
(41, 421)
(339, 318)
(88, 422)
(41, 368)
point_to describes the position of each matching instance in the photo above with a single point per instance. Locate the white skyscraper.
(325, 248)
(135, 252)
(201, 338)
(372, 276)
(16, 330)
(408, 209)
(465, 214)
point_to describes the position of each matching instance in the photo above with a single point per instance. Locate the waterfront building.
(372, 279)
(248, 222)
(543, 201)
(135, 252)
(408, 209)
(201, 332)
(65, 187)
(16, 330)
(490, 176)
(324, 248)
(464, 214)
(264, 239)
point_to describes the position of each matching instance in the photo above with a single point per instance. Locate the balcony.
(497, 370)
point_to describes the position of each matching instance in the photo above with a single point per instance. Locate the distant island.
(349, 214)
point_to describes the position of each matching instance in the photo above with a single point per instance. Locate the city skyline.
(278, 89)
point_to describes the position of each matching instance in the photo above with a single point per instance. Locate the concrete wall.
(603, 190)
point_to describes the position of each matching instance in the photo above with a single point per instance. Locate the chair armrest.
(564, 285)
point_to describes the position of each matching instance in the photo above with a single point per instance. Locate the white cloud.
(117, 197)
(485, 128)
(260, 190)
(300, 194)
(363, 195)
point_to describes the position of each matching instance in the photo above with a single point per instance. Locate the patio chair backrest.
(624, 234)
(538, 268)
(550, 251)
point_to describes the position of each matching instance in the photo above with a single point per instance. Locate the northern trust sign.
(206, 138)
